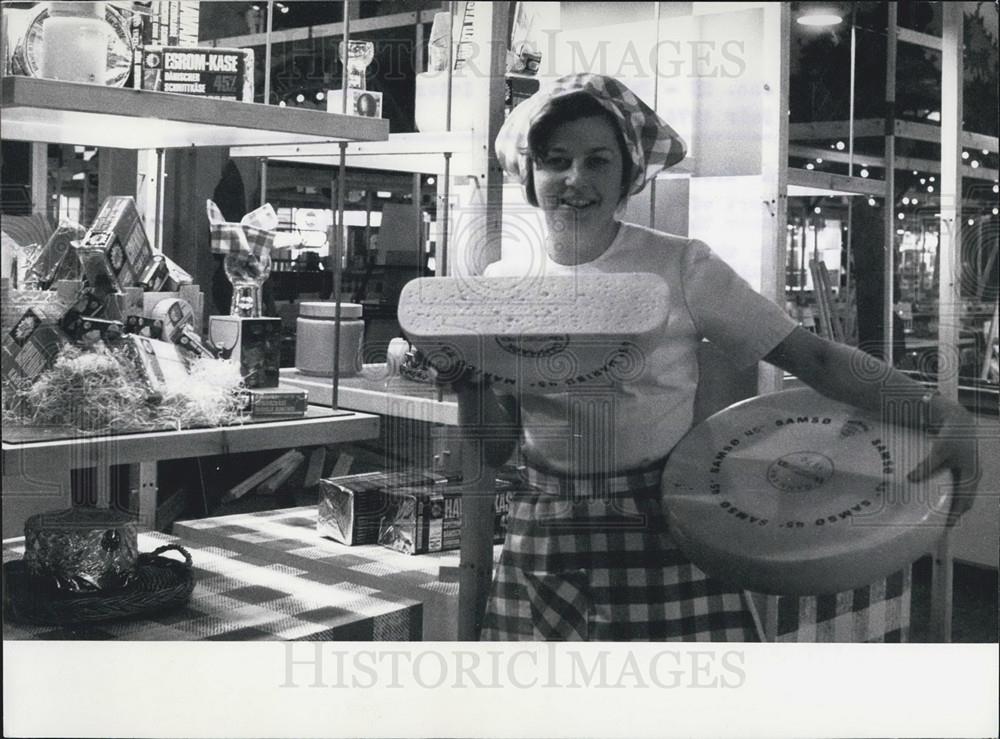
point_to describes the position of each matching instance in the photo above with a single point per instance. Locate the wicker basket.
(160, 583)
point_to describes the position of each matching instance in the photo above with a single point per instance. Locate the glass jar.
(248, 273)
(75, 42)
(314, 338)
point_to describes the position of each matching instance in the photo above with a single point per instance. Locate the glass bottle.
(75, 42)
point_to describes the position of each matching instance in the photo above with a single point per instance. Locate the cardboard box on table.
(253, 343)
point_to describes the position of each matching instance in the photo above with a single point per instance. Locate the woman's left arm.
(848, 375)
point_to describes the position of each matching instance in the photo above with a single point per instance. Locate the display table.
(375, 391)
(37, 461)
(238, 597)
(288, 537)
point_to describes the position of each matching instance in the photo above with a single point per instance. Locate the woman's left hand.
(954, 448)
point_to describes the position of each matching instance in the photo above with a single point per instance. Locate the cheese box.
(412, 512)
(164, 275)
(148, 327)
(34, 342)
(418, 521)
(266, 402)
(87, 330)
(57, 259)
(253, 343)
(120, 306)
(190, 341)
(117, 231)
(351, 507)
(161, 363)
(213, 72)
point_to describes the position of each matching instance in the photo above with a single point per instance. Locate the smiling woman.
(589, 553)
(579, 178)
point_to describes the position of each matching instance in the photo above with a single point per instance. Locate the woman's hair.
(564, 110)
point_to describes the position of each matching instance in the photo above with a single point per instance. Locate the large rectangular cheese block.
(543, 334)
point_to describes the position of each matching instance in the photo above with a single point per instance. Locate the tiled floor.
(974, 603)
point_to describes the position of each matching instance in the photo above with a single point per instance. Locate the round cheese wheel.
(794, 494)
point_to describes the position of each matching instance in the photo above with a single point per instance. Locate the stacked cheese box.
(106, 283)
(414, 512)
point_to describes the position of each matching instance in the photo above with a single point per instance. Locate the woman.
(588, 554)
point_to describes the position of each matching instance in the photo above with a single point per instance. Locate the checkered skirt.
(591, 559)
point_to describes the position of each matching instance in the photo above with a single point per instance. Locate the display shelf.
(373, 391)
(401, 152)
(38, 463)
(33, 448)
(57, 112)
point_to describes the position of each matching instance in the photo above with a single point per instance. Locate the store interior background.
(709, 86)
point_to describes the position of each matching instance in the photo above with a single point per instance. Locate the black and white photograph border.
(790, 433)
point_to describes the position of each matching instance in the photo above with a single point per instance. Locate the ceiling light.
(931, 178)
(913, 201)
(300, 98)
(974, 164)
(900, 216)
(871, 201)
(384, 194)
(995, 211)
(915, 173)
(986, 152)
(996, 188)
(819, 16)
(810, 165)
(320, 95)
(840, 145)
(819, 160)
(906, 201)
(971, 222)
(923, 180)
(965, 155)
(817, 210)
(900, 231)
(934, 115)
(930, 188)
(431, 180)
(863, 173)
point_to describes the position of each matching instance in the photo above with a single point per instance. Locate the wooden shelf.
(57, 112)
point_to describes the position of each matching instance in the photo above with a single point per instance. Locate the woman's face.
(578, 180)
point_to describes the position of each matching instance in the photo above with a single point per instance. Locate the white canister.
(314, 338)
(75, 42)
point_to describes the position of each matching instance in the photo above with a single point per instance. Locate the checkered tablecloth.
(879, 612)
(239, 597)
(289, 537)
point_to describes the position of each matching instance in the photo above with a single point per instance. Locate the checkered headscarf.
(652, 144)
(254, 234)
